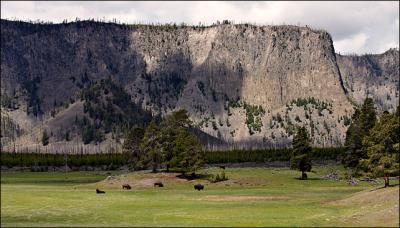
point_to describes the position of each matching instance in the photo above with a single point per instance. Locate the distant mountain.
(242, 84)
(374, 75)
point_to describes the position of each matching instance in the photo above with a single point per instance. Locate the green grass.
(59, 199)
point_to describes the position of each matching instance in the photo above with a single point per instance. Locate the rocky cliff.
(240, 83)
(376, 76)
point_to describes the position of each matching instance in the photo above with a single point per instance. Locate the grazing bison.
(99, 191)
(159, 184)
(126, 186)
(222, 166)
(199, 187)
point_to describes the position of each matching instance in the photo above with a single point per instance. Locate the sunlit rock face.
(222, 74)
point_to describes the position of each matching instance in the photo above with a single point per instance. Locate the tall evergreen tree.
(151, 145)
(367, 116)
(170, 127)
(88, 134)
(363, 120)
(353, 142)
(383, 149)
(131, 147)
(67, 135)
(301, 158)
(187, 151)
(45, 138)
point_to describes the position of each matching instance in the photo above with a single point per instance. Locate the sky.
(356, 27)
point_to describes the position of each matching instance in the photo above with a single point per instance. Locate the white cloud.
(345, 21)
(352, 44)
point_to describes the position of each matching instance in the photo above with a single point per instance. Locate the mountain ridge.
(221, 74)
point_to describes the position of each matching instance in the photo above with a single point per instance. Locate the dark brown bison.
(99, 191)
(126, 186)
(222, 166)
(199, 187)
(158, 184)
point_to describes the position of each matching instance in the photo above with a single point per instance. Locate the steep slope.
(240, 83)
(374, 75)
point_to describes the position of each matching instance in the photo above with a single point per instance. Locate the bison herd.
(156, 184)
(159, 184)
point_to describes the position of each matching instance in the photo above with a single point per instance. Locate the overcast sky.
(356, 27)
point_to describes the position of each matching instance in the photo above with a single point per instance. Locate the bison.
(199, 187)
(222, 166)
(99, 191)
(159, 184)
(126, 186)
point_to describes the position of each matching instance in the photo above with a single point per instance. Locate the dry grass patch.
(144, 180)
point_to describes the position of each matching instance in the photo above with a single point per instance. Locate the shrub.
(218, 177)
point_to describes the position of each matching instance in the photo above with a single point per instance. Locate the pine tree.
(67, 136)
(383, 149)
(367, 116)
(170, 127)
(88, 134)
(363, 120)
(301, 159)
(353, 142)
(150, 146)
(45, 138)
(188, 152)
(131, 147)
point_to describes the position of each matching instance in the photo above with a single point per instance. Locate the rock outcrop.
(243, 84)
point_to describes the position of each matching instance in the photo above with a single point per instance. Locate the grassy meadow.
(251, 197)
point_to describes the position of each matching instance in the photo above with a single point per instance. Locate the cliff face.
(57, 59)
(240, 83)
(374, 75)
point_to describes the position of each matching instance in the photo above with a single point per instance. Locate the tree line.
(29, 159)
(42, 161)
(269, 155)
